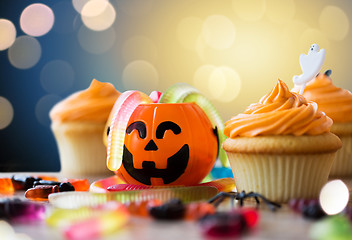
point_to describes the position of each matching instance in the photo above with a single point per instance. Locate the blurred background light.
(7, 34)
(96, 42)
(135, 7)
(6, 113)
(280, 12)
(37, 19)
(249, 10)
(25, 52)
(224, 84)
(334, 197)
(98, 15)
(139, 47)
(57, 76)
(43, 107)
(334, 22)
(140, 74)
(188, 31)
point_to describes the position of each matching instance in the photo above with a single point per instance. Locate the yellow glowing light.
(218, 32)
(334, 197)
(96, 42)
(98, 15)
(281, 11)
(6, 113)
(200, 47)
(79, 4)
(140, 74)
(292, 32)
(311, 36)
(139, 47)
(249, 10)
(135, 7)
(57, 76)
(7, 34)
(334, 22)
(37, 19)
(201, 79)
(188, 31)
(25, 52)
(224, 84)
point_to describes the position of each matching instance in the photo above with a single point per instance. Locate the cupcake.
(281, 147)
(78, 123)
(337, 104)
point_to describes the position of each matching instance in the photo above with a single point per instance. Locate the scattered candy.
(45, 182)
(41, 192)
(172, 210)
(21, 211)
(197, 210)
(90, 222)
(309, 208)
(79, 184)
(229, 224)
(141, 208)
(7, 232)
(336, 227)
(48, 178)
(23, 182)
(6, 185)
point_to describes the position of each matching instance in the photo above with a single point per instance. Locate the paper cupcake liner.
(81, 149)
(281, 177)
(342, 166)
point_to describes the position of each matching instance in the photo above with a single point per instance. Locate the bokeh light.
(7, 34)
(334, 197)
(43, 107)
(140, 74)
(98, 15)
(6, 113)
(65, 17)
(218, 32)
(188, 31)
(37, 19)
(96, 42)
(224, 84)
(79, 4)
(280, 12)
(57, 76)
(334, 22)
(249, 10)
(201, 79)
(139, 47)
(311, 36)
(25, 52)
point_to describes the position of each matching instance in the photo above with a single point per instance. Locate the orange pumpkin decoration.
(168, 144)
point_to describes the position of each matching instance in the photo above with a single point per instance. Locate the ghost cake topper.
(311, 65)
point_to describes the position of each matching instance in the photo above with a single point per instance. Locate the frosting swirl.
(92, 104)
(280, 112)
(334, 101)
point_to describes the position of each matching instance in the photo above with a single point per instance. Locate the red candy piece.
(41, 192)
(251, 216)
(79, 184)
(6, 185)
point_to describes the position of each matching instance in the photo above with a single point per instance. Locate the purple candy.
(17, 210)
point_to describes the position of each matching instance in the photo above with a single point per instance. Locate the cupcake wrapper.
(81, 150)
(342, 166)
(281, 177)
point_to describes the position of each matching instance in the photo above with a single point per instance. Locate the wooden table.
(283, 224)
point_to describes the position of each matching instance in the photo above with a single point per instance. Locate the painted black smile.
(176, 166)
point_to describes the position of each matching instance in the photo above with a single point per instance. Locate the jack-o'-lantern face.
(168, 144)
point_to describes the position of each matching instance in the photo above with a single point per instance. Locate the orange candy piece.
(195, 211)
(48, 178)
(6, 185)
(41, 192)
(142, 208)
(79, 184)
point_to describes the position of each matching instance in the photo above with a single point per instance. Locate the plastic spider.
(240, 196)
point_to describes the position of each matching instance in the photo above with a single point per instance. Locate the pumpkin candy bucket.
(159, 143)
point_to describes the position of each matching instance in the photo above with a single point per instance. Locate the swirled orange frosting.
(334, 101)
(280, 112)
(91, 105)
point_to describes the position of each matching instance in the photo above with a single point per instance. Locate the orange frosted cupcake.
(337, 104)
(281, 147)
(78, 123)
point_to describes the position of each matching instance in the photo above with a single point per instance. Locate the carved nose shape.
(151, 146)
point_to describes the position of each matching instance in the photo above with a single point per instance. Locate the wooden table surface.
(282, 224)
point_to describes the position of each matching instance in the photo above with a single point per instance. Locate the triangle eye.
(167, 125)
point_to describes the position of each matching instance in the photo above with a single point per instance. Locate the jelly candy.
(41, 192)
(172, 210)
(6, 185)
(48, 178)
(198, 210)
(63, 187)
(141, 208)
(45, 182)
(79, 184)
(21, 211)
(66, 187)
(309, 208)
(23, 182)
(90, 222)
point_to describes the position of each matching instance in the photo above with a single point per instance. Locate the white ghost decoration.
(311, 65)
